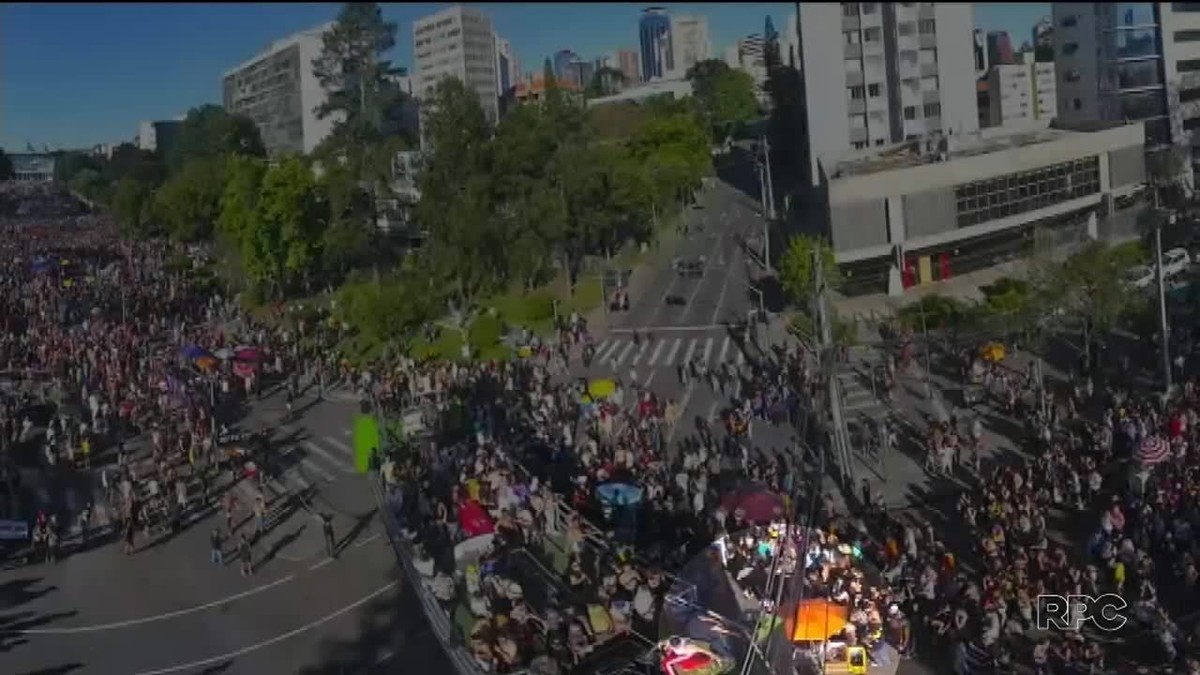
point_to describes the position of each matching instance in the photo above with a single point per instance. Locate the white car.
(1141, 276)
(1175, 261)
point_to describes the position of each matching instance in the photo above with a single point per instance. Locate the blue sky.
(73, 75)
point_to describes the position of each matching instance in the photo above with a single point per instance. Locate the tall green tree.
(796, 270)
(130, 161)
(209, 131)
(133, 203)
(239, 198)
(189, 203)
(282, 247)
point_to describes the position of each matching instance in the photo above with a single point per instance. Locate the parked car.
(1176, 261)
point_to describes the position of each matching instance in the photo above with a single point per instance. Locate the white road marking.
(157, 617)
(708, 345)
(340, 445)
(275, 640)
(724, 350)
(609, 352)
(347, 432)
(691, 350)
(624, 353)
(667, 329)
(337, 463)
(683, 405)
(654, 355)
(674, 350)
(712, 410)
(649, 379)
(741, 357)
(638, 356)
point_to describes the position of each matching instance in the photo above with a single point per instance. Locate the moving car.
(1140, 276)
(1176, 261)
(692, 269)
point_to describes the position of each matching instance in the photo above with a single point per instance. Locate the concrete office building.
(457, 42)
(1020, 93)
(32, 167)
(561, 62)
(999, 48)
(630, 66)
(689, 39)
(158, 136)
(1181, 70)
(508, 67)
(654, 36)
(981, 55)
(919, 214)
(279, 91)
(788, 43)
(904, 71)
(676, 89)
(1108, 64)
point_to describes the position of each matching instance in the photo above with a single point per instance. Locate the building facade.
(689, 39)
(630, 66)
(1020, 92)
(158, 136)
(916, 217)
(280, 92)
(32, 167)
(654, 33)
(562, 61)
(507, 67)
(457, 42)
(904, 71)
(1181, 72)
(999, 48)
(1043, 39)
(1108, 63)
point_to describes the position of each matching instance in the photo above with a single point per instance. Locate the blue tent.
(192, 351)
(619, 494)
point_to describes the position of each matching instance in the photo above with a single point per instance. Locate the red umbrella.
(1153, 450)
(473, 519)
(249, 354)
(758, 504)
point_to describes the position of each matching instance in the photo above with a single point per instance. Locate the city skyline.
(123, 86)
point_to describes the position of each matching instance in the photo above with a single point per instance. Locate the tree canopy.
(725, 96)
(6, 165)
(796, 271)
(209, 132)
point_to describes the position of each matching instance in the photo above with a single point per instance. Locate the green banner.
(366, 441)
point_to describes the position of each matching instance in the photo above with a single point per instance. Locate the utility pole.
(828, 367)
(769, 207)
(1163, 328)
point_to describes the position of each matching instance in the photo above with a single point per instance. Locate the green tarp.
(366, 441)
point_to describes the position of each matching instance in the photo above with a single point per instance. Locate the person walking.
(246, 555)
(217, 556)
(260, 516)
(85, 522)
(327, 530)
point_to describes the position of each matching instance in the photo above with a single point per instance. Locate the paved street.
(169, 609)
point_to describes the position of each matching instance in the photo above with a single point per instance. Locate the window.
(873, 90)
(906, 29)
(1077, 104)
(1189, 95)
(1187, 35)
(1070, 48)
(1072, 76)
(1184, 7)
(933, 110)
(1188, 65)
(851, 37)
(1191, 124)
(878, 141)
(860, 145)
(927, 27)
(856, 93)
(873, 34)
(1069, 21)
(870, 7)
(910, 112)
(850, 9)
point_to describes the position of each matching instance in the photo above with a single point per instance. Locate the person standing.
(246, 555)
(260, 516)
(327, 530)
(217, 556)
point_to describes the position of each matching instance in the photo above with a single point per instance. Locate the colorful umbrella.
(224, 353)
(818, 620)
(758, 504)
(1153, 450)
(205, 362)
(603, 388)
(243, 369)
(619, 494)
(192, 351)
(249, 354)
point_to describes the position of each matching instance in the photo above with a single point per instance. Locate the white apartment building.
(732, 56)
(1181, 69)
(1108, 65)
(878, 74)
(1020, 92)
(508, 67)
(457, 42)
(279, 91)
(789, 42)
(689, 40)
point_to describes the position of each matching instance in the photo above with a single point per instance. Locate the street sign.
(14, 530)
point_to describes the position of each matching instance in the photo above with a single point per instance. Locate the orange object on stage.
(817, 620)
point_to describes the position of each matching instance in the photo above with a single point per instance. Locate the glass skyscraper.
(654, 31)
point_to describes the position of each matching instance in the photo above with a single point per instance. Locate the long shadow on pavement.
(55, 670)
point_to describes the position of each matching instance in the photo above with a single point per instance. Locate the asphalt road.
(170, 609)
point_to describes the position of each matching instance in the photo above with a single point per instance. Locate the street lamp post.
(1163, 328)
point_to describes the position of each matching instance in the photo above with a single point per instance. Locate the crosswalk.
(668, 352)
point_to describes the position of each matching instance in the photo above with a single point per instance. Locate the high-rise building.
(1020, 92)
(280, 92)
(158, 136)
(752, 57)
(1043, 39)
(689, 39)
(1181, 70)
(999, 48)
(1108, 62)
(562, 61)
(981, 54)
(629, 65)
(882, 73)
(654, 33)
(788, 44)
(457, 42)
(507, 66)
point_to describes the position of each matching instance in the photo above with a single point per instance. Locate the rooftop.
(949, 148)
